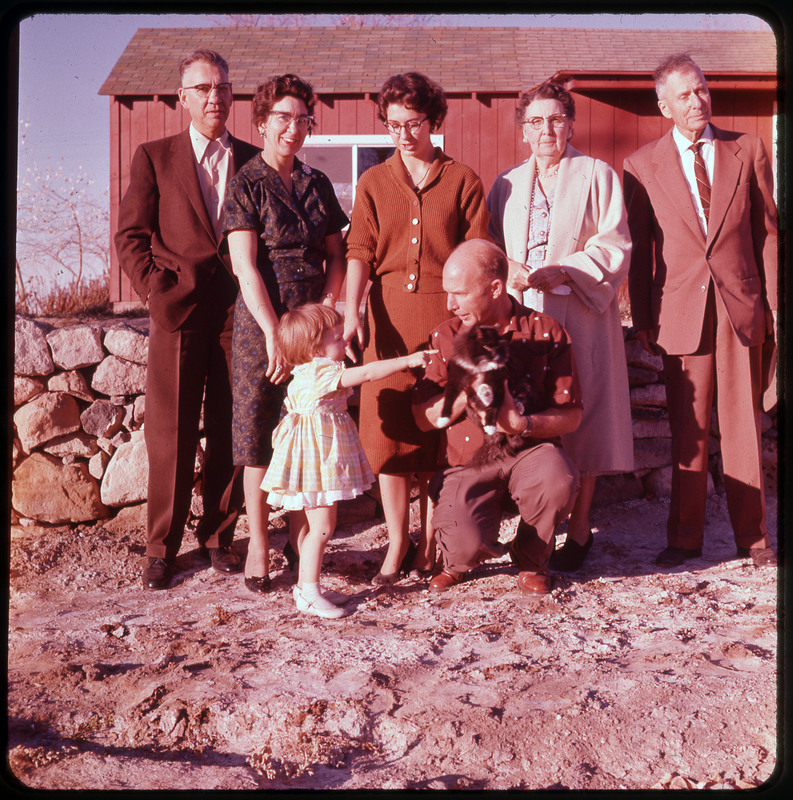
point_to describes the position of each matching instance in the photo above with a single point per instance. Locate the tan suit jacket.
(707, 300)
(672, 261)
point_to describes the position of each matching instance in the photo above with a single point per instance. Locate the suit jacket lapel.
(726, 174)
(670, 178)
(185, 167)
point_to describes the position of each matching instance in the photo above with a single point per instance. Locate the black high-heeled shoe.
(571, 555)
(383, 579)
(258, 585)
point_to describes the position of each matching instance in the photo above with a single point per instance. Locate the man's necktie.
(701, 174)
(212, 158)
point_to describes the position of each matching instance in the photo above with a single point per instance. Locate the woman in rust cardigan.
(410, 212)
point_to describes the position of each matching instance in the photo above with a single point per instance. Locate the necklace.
(423, 177)
(551, 173)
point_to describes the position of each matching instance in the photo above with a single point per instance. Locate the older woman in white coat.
(560, 217)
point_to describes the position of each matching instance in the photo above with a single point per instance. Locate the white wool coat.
(589, 236)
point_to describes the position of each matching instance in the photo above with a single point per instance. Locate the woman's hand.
(277, 369)
(546, 278)
(518, 277)
(353, 329)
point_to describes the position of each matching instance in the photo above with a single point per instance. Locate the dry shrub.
(88, 296)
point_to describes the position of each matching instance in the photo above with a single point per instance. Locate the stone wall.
(79, 453)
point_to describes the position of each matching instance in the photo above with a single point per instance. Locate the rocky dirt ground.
(623, 678)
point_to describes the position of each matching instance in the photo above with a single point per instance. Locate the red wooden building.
(482, 70)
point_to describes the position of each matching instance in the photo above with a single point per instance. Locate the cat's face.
(488, 348)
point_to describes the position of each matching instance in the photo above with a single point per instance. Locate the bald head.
(488, 261)
(474, 279)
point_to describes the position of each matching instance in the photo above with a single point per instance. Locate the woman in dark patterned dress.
(284, 225)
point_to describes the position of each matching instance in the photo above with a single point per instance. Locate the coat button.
(414, 240)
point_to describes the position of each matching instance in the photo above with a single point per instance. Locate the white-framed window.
(345, 158)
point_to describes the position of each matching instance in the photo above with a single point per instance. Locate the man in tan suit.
(703, 280)
(167, 242)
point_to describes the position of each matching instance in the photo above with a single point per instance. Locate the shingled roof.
(342, 60)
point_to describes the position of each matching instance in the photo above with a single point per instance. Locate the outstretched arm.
(375, 370)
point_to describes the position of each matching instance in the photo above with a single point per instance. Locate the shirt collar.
(201, 142)
(683, 144)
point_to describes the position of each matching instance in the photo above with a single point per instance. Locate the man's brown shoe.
(675, 556)
(534, 583)
(445, 580)
(761, 556)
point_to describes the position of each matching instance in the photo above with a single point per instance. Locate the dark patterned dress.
(292, 228)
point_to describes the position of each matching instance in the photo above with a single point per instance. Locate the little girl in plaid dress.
(317, 454)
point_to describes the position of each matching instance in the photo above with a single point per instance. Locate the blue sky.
(58, 81)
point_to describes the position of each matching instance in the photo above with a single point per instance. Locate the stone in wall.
(126, 342)
(98, 463)
(102, 419)
(651, 454)
(31, 353)
(76, 346)
(25, 389)
(46, 417)
(116, 376)
(78, 444)
(72, 382)
(45, 489)
(653, 394)
(127, 475)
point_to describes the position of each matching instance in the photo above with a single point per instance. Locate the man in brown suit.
(703, 281)
(168, 243)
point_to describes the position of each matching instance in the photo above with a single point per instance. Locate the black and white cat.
(478, 367)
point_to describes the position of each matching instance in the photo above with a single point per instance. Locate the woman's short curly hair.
(545, 91)
(415, 91)
(300, 331)
(276, 87)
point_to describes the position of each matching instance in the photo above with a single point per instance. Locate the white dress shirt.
(687, 161)
(213, 162)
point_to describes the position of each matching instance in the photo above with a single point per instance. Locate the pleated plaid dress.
(317, 454)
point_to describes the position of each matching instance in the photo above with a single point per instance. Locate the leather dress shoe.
(225, 559)
(157, 573)
(259, 585)
(534, 583)
(445, 580)
(761, 556)
(675, 556)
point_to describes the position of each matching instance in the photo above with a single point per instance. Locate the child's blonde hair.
(300, 331)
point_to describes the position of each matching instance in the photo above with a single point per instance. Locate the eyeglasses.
(205, 89)
(557, 121)
(412, 127)
(283, 120)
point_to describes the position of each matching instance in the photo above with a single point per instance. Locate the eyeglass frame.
(542, 120)
(411, 126)
(301, 121)
(224, 87)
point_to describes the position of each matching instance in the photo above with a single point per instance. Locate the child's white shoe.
(319, 606)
